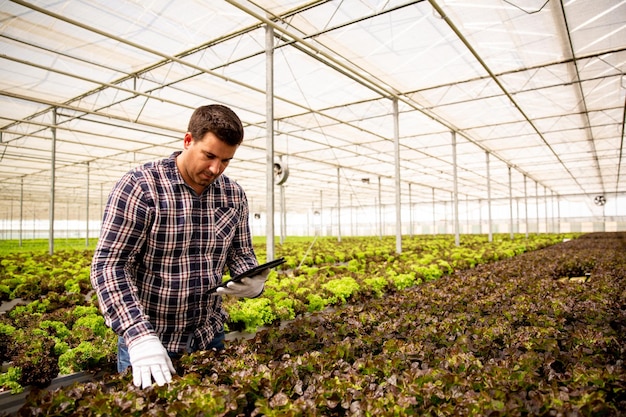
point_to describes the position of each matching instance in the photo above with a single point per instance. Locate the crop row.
(523, 336)
(58, 329)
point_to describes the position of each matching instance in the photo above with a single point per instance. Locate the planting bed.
(540, 333)
(50, 323)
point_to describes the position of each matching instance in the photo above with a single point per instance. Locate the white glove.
(248, 287)
(148, 358)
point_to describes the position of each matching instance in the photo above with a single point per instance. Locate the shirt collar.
(175, 176)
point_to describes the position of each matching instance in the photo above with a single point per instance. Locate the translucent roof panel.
(536, 88)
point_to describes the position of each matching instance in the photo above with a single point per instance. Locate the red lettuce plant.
(508, 338)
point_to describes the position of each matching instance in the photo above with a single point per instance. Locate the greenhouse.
(394, 117)
(443, 179)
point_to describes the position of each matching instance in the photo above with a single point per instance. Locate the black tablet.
(250, 273)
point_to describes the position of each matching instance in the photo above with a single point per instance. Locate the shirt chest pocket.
(224, 221)
(181, 231)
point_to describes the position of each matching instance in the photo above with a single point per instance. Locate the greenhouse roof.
(531, 87)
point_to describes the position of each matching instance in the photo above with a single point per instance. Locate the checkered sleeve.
(126, 219)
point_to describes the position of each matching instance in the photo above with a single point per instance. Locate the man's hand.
(249, 287)
(149, 359)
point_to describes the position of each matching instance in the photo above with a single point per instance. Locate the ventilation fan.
(600, 200)
(281, 172)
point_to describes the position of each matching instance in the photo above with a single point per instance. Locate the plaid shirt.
(162, 247)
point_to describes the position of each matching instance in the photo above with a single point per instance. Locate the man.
(170, 229)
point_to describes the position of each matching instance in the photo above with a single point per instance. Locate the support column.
(410, 212)
(52, 182)
(338, 205)
(87, 210)
(396, 145)
(269, 139)
(489, 198)
(283, 215)
(21, 209)
(558, 214)
(511, 235)
(321, 213)
(434, 214)
(455, 194)
(380, 211)
(526, 204)
(545, 202)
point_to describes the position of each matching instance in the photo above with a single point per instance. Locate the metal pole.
(67, 220)
(52, 182)
(526, 204)
(101, 200)
(545, 209)
(282, 213)
(517, 214)
(87, 210)
(21, 208)
(480, 216)
(351, 217)
(321, 214)
(451, 210)
(467, 228)
(434, 213)
(455, 194)
(396, 146)
(537, 203)
(269, 131)
(489, 197)
(511, 205)
(558, 213)
(410, 212)
(380, 211)
(338, 206)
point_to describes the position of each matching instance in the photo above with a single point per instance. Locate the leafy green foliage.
(10, 380)
(250, 313)
(505, 338)
(341, 289)
(88, 355)
(55, 288)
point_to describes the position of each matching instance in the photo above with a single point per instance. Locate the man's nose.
(215, 166)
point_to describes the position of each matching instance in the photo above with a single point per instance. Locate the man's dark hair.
(219, 120)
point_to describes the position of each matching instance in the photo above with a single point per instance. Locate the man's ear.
(187, 140)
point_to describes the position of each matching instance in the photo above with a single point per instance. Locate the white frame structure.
(361, 98)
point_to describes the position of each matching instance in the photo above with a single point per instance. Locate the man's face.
(204, 160)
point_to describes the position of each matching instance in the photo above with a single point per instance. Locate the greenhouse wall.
(41, 230)
(572, 214)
